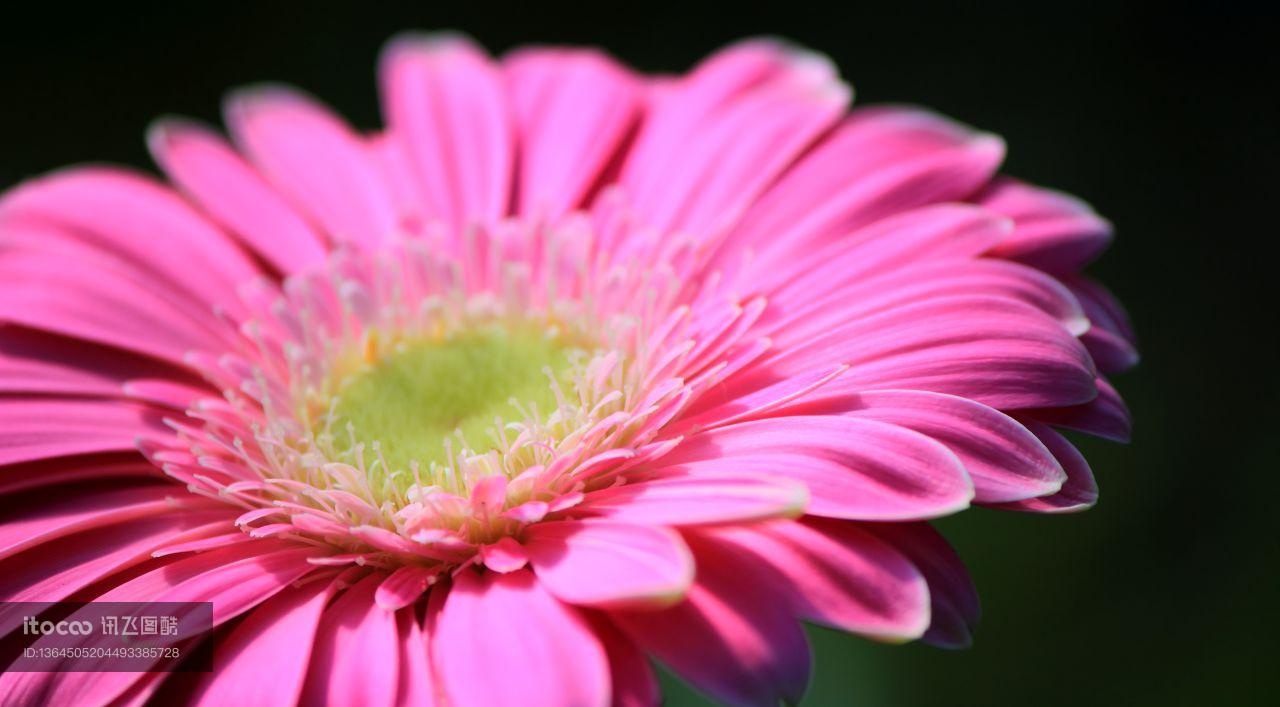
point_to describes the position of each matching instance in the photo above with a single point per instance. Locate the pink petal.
(42, 428)
(1080, 490)
(546, 650)
(1110, 340)
(737, 149)
(393, 161)
(118, 306)
(1052, 231)
(314, 158)
(674, 122)
(58, 569)
(110, 468)
(853, 468)
(36, 362)
(573, 110)
(446, 103)
(233, 579)
(954, 608)
(605, 563)
(504, 556)
(177, 395)
(404, 586)
(943, 233)
(356, 657)
(265, 658)
(836, 574)
(999, 352)
(417, 684)
(221, 182)
(882, 161)
(634, 682)
(489, 495)
(78, 512)
(1005, 461)
(714, 410)
(698, 501)
(140, 220)
(731, 637)
(1105, 416)
(802, 311)
(231, 537)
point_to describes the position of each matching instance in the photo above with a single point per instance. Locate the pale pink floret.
(813, 330)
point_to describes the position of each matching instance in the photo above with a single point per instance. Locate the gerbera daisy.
(564, 370)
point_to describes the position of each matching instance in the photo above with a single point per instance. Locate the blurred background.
(1168, 592)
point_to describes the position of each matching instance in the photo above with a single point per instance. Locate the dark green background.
(1163, 118)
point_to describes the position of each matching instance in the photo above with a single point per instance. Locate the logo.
(33, 627)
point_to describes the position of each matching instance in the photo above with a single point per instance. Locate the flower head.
(563, 369)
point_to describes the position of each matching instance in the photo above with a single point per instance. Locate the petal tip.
(419, 43)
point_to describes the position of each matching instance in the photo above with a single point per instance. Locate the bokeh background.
(1167, 592)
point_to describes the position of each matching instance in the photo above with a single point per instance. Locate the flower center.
(413, 406)
(428, 400)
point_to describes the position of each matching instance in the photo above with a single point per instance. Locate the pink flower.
(564, 369)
